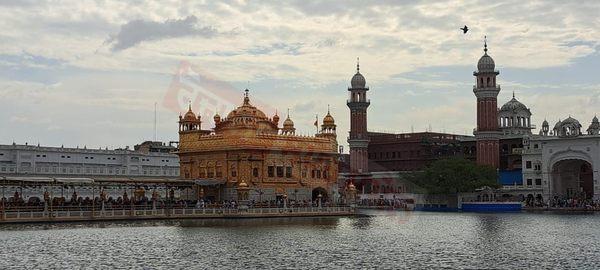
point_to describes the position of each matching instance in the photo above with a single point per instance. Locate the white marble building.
(152, 159)
(563, 162)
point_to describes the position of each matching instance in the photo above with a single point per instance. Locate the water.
(386, 239)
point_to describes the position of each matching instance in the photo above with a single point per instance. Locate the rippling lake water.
(384, 239)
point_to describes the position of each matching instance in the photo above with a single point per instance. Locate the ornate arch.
(569, 154)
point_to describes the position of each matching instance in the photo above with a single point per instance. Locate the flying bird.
(465, 29)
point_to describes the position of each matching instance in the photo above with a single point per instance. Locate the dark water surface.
(386, 239)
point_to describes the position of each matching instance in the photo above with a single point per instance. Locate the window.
(279, 171)
(538, 182)
(529, 182)
(211, 173)
(313, 173)
(528, 164)
(255, 172)
(233, 172)
(535, 146)
(304, 173)
(288, 171)
(325, 174)
(202, 172)
(318, 173)
(271, 171)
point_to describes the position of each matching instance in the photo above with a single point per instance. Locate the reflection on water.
(384, 239)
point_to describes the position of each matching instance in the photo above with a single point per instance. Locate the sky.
(91, 73)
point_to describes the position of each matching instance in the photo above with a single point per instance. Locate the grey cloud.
(292, 49)
(138, 31)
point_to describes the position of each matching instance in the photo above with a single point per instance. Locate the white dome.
(486, 64)
(358, 81)
(514, 105)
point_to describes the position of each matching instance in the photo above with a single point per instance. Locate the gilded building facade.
(247, 156)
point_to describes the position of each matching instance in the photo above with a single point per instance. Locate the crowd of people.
(139, 201)
(580, 202)
(385, 203)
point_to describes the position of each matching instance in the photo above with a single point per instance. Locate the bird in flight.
(465, 29)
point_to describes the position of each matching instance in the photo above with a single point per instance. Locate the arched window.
(488, 81)
(233, 171)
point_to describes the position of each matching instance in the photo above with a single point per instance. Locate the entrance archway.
(573, 178)
(317, 191)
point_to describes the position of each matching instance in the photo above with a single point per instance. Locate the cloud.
(138, 31)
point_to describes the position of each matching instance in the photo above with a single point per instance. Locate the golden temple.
(247, 157)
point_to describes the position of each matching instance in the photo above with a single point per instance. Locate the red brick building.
(414, 151)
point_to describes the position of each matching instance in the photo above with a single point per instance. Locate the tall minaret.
(486, 90)
(358, 139)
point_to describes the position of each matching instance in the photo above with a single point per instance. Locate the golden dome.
(288, 123)
(189, 115)
(247, 110)
(328, 119)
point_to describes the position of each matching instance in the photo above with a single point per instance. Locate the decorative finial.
(246, 98)
(513, 93)
(327, 108)
(485, 44)
(288, 113)
(357, 65)
(190, 104)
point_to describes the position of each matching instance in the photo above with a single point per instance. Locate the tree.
(453, 175)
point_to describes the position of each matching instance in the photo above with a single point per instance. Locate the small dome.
(486, 64)
(595, 119)
(558, 124)
(276, 118)
(288, 123)
(571, 120)
(358, 81)
(545, 123)
(328, 119)
(190, 115)
(217, 117)
(514, 105)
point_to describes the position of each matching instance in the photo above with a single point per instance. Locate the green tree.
(453, 175)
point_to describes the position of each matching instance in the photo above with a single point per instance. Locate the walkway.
(173, 213)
